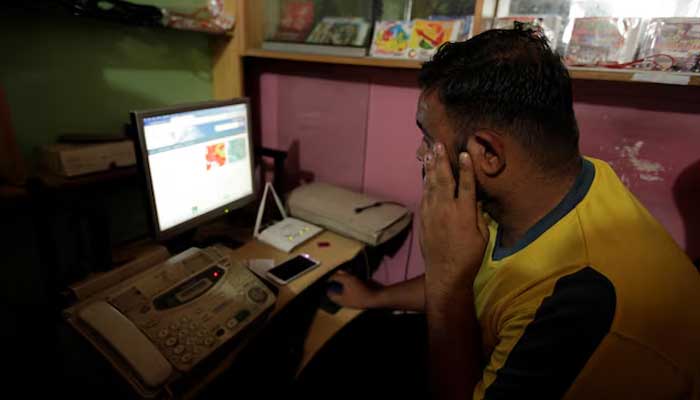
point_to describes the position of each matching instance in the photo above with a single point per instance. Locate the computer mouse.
(334, 287)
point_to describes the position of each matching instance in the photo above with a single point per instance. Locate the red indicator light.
(216, 274)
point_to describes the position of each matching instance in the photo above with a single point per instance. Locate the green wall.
(71, 74)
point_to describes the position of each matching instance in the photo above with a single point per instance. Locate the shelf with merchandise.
(392, 29)
(331, 59)
(580, 73)
(632, 75)
(203, 16)
(258, 27)
(621, 40)
(324, 27)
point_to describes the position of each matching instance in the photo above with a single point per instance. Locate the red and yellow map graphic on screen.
(216, 154)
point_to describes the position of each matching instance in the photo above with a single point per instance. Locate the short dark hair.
(508, 80)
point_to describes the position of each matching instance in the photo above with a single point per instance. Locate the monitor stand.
(221, 232)
(232, 230)
(217, 232)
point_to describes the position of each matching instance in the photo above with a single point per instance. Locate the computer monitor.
(198, 162)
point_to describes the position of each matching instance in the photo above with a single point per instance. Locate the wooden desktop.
(334, 250)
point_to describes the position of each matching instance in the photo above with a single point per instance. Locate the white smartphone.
(291, 269)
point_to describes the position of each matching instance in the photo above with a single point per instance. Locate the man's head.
(504, 97)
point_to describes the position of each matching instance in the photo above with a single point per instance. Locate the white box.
(349, 213)
(79, 159)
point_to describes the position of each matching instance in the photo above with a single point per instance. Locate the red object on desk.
(324, 244)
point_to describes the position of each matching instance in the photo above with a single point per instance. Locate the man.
(564, 286)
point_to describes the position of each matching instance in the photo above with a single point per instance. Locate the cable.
(377, 204)
(408, 257)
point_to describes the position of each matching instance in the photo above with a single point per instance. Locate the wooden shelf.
(599, 74)
(322, 58)
(602, 74)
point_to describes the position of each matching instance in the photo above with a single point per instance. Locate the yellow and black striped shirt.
(596, 301)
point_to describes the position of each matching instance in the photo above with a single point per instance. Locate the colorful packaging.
(296, 21)
(678, 38)
(340, 31)
(603, 40)
(205, 16)
(549, 25)
(427, 36)
(391, 39)
(466, 30)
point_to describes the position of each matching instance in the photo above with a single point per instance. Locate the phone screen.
(291, 268)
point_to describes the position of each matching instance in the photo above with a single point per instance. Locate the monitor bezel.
(137, 120)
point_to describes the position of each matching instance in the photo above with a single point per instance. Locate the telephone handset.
(131, 344)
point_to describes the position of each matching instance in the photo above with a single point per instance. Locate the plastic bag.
(603, 40)
(675, 38)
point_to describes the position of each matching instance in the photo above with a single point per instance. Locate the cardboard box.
(67, 159)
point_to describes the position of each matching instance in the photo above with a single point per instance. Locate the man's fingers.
(443, 172)
(439, 181)
(467, 185)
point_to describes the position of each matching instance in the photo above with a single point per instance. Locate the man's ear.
(487, 150)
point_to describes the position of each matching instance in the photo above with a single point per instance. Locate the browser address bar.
(190, 120)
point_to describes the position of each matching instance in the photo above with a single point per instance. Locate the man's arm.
(454, 340)
(407, 295)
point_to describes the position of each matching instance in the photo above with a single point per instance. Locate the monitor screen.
(197, 161)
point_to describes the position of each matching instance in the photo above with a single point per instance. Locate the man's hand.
(355, 293)
(453, 240)
(453, 231)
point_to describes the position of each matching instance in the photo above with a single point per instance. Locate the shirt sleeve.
(541, 350)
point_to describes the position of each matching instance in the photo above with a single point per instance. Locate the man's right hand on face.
(353, 293)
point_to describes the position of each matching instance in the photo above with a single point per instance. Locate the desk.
(319, 326)
(324, 325)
